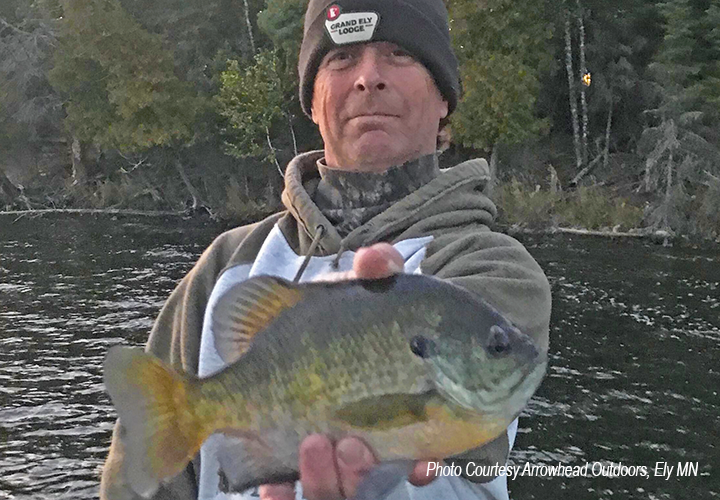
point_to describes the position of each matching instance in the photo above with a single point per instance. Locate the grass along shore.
(522, 207)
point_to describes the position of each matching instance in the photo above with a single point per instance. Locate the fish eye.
(420, 346)
(499, 341)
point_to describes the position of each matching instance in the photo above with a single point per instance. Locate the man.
(378, 77)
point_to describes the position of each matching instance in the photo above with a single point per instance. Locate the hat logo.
(352, 27)
(333, 12)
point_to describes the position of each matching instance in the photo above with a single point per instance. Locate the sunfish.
(416, 367)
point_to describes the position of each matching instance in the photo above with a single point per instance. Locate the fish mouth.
(507, 401)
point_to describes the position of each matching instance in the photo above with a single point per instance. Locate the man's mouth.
(374, 115)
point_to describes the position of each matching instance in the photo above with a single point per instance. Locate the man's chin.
(377, 157)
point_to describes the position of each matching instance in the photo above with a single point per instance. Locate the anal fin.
(247, 463)
(383, 479)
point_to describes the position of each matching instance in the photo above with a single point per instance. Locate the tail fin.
(161, 436)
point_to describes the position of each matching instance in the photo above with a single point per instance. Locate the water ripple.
(633, 373)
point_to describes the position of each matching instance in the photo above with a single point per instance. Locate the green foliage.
(518, 204)
(196, 31)
(675, 66)
(498, 103)
(707, 89)
(282, 22)
(688, 64)
(259, 100)
(501, 48)
(597, 208)
(118, 80)
(153, 79)
(621, 38)
(253, 100)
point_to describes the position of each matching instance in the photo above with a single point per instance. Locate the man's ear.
(313, 114)
(444, 109)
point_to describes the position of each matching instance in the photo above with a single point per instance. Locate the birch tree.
(572, 93)
(583, 77)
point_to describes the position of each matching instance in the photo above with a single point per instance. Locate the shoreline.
(659, 236)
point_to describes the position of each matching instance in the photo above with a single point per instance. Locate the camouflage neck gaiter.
(350, 199)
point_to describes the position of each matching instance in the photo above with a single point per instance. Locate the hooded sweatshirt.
(441, 228)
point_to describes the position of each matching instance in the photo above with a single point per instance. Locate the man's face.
(376, 107)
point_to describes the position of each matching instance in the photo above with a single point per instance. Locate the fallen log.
(96, 211)
(658, 235)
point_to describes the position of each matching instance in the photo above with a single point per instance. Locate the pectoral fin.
(388, 411)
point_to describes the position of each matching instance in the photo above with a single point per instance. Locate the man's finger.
(421, 475)
(318, 473)
(285, 491)
(377, 261)
(354, 460)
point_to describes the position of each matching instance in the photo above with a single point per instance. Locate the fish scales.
(352, 367)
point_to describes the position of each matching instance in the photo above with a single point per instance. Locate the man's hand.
(333, 471)
(378, 261)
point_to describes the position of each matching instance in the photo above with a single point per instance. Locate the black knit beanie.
(418, 26)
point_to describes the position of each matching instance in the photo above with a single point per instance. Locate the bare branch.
(15, 28)
(272, 151)
(34, 34)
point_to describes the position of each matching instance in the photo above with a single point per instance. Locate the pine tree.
(680, 160)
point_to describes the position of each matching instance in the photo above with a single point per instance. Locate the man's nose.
(369, 76)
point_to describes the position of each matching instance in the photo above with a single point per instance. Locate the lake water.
(633, 380)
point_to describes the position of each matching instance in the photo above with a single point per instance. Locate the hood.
(455, 197)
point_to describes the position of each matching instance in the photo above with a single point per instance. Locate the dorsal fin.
(248, 308)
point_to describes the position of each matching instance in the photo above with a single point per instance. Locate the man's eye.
(340, 55)
(339, 59)
(401, 53)
(402, 57)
